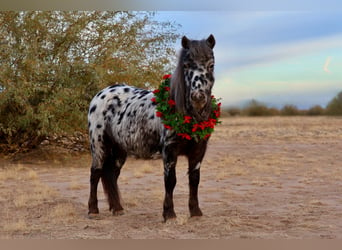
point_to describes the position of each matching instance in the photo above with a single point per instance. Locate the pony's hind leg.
(111, 171)
(95, 176)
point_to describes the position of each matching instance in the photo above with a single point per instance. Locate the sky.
(276, 57)
(276, 52)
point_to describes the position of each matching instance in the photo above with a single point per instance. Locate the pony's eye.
(211, 67)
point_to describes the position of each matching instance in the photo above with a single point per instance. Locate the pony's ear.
(185, 42)
(211, 41)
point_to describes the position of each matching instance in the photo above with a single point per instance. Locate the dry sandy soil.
(269, 178)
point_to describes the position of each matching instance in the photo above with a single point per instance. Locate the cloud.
(277, 93)
(236, 59)
(326, 65)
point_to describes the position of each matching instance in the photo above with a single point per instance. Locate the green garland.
(184, 126)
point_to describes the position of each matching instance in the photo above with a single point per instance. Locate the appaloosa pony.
(122, 121)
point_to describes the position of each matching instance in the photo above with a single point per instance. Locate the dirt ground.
(269, 178)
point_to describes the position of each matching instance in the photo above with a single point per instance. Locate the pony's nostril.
(199, 96)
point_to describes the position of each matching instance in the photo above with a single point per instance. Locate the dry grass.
(11, 172)
(221, 175)
(19, 225)
(138, 173)
(158, 194)
(182, 220)
(259, 182)
(31, 193)
(36, 195)
(131, 201)
(74, 185)
(65, 212)
(264, 178)
(17, 172)
(147, 168)
(144, 169)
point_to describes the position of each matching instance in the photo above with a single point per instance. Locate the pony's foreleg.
(95, 176)
(170, 160)
(195, 159)
(194, 179)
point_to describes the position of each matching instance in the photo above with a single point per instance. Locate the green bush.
(255, 108)
(289, 110)
(334, 107)
(53, 63)
(315, 110)
(232, 111)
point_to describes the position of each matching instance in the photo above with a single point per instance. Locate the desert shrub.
(28, 115)
(334, 107)
(315, 110)
(233, 111)
(273, 111)
(255, 108)
(289, 110)
(53, 62)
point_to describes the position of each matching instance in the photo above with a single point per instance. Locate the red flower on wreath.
(184, 136)
(167, 127)
(205, 124)
(211, 123)
(187, 119)
(171, 103)
(194, 128)
(186, 127)
(206, 136)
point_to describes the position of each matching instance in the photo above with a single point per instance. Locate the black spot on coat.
(98, 94)
(92, 109)
(117, 100)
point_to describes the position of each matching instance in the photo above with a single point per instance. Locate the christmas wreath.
(184, 126)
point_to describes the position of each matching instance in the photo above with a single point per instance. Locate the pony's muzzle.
(198, 99)
(198, 96)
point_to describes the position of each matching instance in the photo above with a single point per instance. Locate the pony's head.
(193, 79)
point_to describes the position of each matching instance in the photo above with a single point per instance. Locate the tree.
(334, 107)
(315, 110)
(255, 108)
(53, 62)
(289, 110)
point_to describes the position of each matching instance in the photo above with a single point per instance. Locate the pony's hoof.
(118, 212)
(169, 216)
(196, 213)
(93, 216)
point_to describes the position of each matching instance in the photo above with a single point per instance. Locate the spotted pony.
(122, 121)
